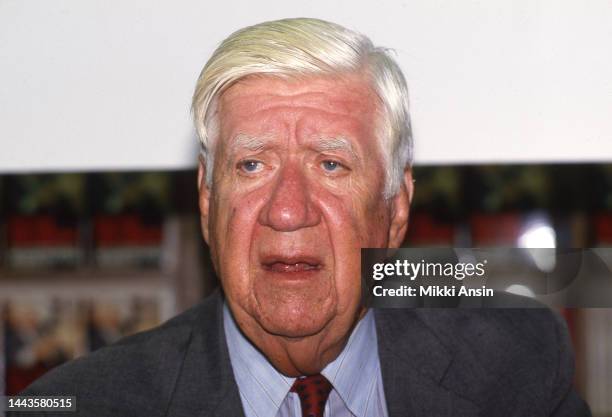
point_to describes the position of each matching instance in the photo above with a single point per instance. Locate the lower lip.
(292, 272)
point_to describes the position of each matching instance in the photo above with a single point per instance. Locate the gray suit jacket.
(435, 362)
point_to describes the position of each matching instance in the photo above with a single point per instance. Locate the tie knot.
(313, 391)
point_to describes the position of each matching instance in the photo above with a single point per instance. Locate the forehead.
(341, 101)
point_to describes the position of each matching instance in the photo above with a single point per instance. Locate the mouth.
(291, 264)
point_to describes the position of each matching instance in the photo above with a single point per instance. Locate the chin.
(295, 322)
(293, 304)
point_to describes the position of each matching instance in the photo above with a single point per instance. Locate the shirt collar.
(358, 362)
(356, 365)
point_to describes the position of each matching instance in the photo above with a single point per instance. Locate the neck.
(297, 356)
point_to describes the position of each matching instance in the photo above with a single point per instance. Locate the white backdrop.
(89, 85)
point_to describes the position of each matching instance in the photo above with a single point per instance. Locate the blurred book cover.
(40, 333)
(128, 218)
(44, 221)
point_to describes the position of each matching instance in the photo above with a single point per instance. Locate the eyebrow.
(335, 144)
(251, 143)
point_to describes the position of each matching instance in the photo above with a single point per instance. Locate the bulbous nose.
(290, 206)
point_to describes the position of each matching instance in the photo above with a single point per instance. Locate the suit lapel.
(414, 364)
(206, 385)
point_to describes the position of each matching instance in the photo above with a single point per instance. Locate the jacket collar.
(206, 385)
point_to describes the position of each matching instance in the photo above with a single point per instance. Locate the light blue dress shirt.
(355, 375)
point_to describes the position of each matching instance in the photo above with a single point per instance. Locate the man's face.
(297, 191)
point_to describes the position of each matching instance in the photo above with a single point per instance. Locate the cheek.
(357, 219)
(233, 220)
(346, 235)
(233, 214)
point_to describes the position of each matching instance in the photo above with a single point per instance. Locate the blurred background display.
(43, 215)
(128, 212)
(88, 258)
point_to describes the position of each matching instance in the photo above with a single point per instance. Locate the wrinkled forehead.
(334, 106)
(349, 93)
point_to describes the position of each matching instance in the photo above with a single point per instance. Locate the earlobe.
(400, 210)
(203, 197)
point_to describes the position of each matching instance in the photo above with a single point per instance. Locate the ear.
(400, 209)
(203, 198)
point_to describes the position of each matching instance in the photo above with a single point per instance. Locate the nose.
(290, 206)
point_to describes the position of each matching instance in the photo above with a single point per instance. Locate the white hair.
(307, 47)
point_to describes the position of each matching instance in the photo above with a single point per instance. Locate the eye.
(250, 166)
(331, 166)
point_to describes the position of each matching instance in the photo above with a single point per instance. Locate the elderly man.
(306, 159)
